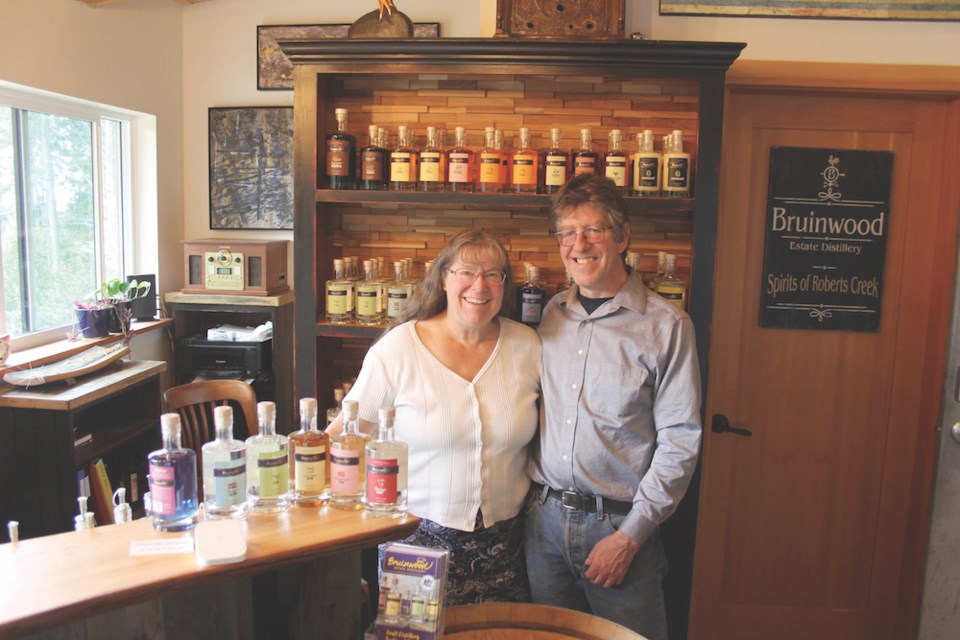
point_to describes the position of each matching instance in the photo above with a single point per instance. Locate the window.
(65, 213)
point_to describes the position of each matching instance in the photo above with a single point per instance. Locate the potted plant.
(93, 316)
(120, 293)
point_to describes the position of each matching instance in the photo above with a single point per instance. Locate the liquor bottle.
(374, 163)
(386, 482)
(676, 164)
(174, 504)
(460, 164)
(532, 297)
(369, 300)
(403, 163)
(646, 167)
(347, 462)
(398, 293)
(586, 159)
(432, 163)
(488, 164)
(339, 296)
(334, 411)
(341, 155)
(555, 163)
(267, 464)
(524, 163)
(308, 459)
(671, 287)
(661, 270)
(615, 161)
(224, 470)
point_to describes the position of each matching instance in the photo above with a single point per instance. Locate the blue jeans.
(558, 541)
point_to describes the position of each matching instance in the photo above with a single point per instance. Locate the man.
(619, 423)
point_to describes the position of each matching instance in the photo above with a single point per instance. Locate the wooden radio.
(235, 267)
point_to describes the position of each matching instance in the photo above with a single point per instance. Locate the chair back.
(195, 402)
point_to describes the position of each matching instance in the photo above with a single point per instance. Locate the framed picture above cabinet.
(560, 18)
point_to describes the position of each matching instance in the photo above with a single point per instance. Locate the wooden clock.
(560, 18)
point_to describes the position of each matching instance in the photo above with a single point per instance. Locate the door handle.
(720, 424)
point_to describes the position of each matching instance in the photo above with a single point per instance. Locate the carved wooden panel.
(560, 18)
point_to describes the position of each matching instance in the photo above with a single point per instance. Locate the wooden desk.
(87, 583)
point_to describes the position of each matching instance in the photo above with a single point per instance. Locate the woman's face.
(474, 301)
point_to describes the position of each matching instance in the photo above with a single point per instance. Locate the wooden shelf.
(369, 331)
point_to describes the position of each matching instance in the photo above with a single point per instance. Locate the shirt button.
(573, 386)
(569, 421)
(579, 352)
(564, 457)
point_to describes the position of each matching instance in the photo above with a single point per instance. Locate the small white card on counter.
(161, 546)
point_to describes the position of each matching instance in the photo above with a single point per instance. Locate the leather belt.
(588, 504)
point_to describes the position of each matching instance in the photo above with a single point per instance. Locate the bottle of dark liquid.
(586, 159)
(615, 162)
(341, 155)
(555, 162)
(374, 163)
(532, 297)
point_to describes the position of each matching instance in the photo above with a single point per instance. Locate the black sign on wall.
(828, 214)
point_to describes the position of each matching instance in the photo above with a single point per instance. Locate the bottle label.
(396, 301)
(368, 300)
(490, 168)
(382, 476)
(459, 168)
(678, 172)
(163, 489)
(371, 166)
(584, 164)
(338, 158)
(525, 169)
(274, 475)
(337, 299)
(675, 294)
(646, 175)
(531, 307)
(230, 479)
(345, 472)
(616, 170)
(430, 166)
(400, 167)
(310, 469)
(556, 171)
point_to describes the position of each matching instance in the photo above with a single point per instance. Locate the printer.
(212, 359)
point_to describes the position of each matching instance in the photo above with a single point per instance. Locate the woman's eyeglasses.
(469, 275)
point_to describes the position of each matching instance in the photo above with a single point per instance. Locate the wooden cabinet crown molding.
(102, 3)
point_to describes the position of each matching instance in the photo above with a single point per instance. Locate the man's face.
(596, 267)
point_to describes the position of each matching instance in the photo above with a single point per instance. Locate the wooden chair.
(195, 402)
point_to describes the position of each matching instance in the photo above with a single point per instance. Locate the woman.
(464, 380)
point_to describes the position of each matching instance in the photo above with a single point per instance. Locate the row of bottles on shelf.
(268, 472)
(403, 166)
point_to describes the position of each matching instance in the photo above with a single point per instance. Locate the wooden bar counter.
(302, 571)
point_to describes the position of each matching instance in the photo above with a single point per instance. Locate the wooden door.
(814, 526)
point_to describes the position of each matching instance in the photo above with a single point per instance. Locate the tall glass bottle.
(308, 459)
(369, 301)
(585, 160)
(403, 163)
(398, 293)
(555, 165)
(348, 462)
(460, 163)
(339, 307)
(335, 410)
(341, 155)
(646, 167)
(173, 480)
(386, 482)
(432, 163)
(524, 164)
(661, 269)
(670, 286)
(615, 161)
(374, 163)
(268, 466)
(532, 298)
(488, 164)
(224, 470)
(676, 164)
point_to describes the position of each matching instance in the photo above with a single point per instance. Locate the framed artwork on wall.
(556, 19)
(882, 10)
(251, 167)
(275, 71)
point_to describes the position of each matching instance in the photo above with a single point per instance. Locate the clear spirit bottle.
(532, 297)
(585, 160)
(671, 287)
(224, 462)
(524, 163)
(646, 167)
(661, 269)
(397, 293)
(488, 164)
(341, 155)
(308, 459)
(334, 411)
(676, 168)
(460, 164)
(386, 482)
(374, 163)
(174, 503)
(369, 301)
(555, 164)
(267, 464)
(432, 163)
(615, 161)
(347, 462)
(403, 163)
(339, 296)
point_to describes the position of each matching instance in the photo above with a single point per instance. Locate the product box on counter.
(412, 585)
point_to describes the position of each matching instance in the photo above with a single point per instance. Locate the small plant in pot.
(120, 293)
(93, 316)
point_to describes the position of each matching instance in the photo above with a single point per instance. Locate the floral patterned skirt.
(486, 564)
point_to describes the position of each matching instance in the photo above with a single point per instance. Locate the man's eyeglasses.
(469, 275)
(591, 235)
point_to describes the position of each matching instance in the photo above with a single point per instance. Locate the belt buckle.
(570, 500)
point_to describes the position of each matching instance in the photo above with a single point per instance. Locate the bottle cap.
(350, 409)
(386, 413)
(266, 411)
(339, 111)
(170, 424)
(121, 510)
(223, 416)
(308, 407)
(338, 394)
(13, 528)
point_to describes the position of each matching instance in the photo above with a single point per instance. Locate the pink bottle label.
(382, 476)
(344, 472)
(163, 490)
